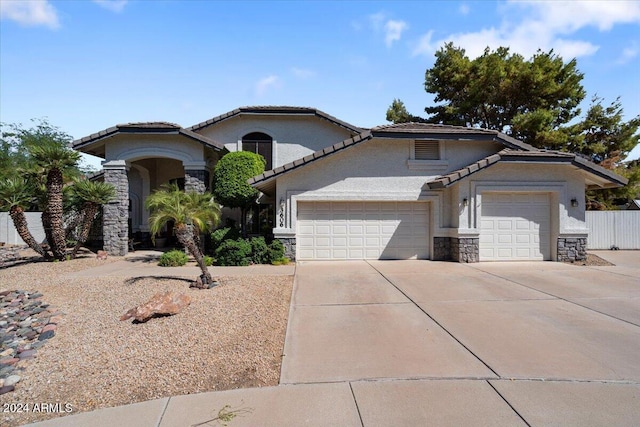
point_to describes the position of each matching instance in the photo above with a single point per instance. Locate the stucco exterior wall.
(294, 136)
(564, 182)
(134, 147)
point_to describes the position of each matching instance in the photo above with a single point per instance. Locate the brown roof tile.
(276, 109)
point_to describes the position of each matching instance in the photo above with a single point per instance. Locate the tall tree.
(92, 195)
(191, 213)
(16, 195)
(605, 138)
(529, 100)
(230, 177)
(397, 113)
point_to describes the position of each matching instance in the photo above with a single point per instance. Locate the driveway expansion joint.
(508, 403)
(554, 296)
(434, 320)
(355, 401)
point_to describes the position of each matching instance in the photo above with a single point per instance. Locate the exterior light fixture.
(574, 202)
(465, 202)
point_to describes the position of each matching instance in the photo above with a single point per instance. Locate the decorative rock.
(46, 335)
(9, 361)
(7, 389)
(49, 327)
(101, 255)
(11, 380)
(27, 354)
(161, 304)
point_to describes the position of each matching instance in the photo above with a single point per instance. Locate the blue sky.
(89, 64)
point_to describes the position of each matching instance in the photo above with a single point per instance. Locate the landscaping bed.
(231, 336)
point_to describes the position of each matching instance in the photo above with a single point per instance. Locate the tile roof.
(279, 110)
(436, 131)
(540, 156)
(402, 130)
(145, 128)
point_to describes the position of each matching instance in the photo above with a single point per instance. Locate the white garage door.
(362, 230)
(515, 226)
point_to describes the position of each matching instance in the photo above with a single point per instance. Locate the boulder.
(162, 304)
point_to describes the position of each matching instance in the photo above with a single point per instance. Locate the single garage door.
(515, 226)
(362, 230)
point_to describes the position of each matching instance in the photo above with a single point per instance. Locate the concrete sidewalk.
(409, 343)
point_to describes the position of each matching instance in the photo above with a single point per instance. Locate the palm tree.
(191, 213)
(93, 194)
(16, 195)
(55, 159)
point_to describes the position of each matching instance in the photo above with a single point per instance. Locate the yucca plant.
(191, 213)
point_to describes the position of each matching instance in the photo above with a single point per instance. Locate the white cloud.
(30, 13)
(393, 31)
(266, 83)
(464, 9)
(112, 5)
(302, 73)
(391, 28)
(628, 53)
(531, 25)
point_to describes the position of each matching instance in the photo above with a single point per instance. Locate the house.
(335, 191)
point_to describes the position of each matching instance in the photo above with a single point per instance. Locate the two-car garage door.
(362, 230)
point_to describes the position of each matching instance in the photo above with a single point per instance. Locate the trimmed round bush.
(173, 258)
(234, 252)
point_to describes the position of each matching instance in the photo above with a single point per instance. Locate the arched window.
(260, 143)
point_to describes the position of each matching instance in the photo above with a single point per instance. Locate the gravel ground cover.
(231, 336)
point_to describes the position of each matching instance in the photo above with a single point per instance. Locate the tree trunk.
(89, 211)
(20, 223)
(54, 207)
(243, 222)
(185, 236)
(46, 224)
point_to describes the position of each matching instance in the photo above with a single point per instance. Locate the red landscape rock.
(102, 255)
(164, 304)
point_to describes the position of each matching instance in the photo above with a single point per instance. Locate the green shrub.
(259, 251)
(222, 234)
(208, 260)
(234, 252)
(276, 251)
(173, 258)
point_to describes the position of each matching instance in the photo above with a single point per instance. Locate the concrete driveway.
(484, 344)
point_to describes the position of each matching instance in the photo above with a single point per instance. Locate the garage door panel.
(515, 226)
(363, 230)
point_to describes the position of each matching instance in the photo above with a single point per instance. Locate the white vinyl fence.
(613, 228)
(8, 233)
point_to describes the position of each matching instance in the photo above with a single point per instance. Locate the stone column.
(115, 215)
(465, 249)
(572, 248)
(196, 176)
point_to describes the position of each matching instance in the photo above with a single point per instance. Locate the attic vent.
(427, 150)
